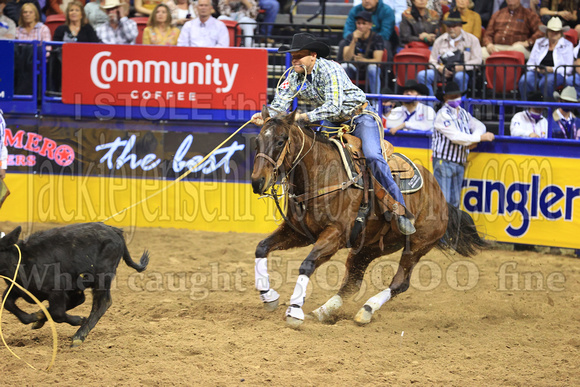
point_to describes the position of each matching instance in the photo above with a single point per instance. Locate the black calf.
(59, 264)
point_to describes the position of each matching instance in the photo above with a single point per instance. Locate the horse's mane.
(307, 128)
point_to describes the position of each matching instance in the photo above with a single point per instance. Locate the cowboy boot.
(405, 225)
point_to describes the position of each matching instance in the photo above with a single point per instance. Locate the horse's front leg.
(283, 238)
(325, 247)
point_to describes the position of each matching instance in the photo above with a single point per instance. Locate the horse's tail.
(461, 234)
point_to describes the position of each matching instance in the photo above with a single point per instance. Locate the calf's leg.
(101, 302)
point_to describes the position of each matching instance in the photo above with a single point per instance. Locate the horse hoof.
(271, 306)
(76, 343)
(364, 315)
(294, 323)
(39, 324)
(318, 315)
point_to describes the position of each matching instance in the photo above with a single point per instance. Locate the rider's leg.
(368, 131)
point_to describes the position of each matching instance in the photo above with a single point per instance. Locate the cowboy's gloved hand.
(257, 119)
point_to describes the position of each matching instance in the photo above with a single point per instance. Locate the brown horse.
(311, 164)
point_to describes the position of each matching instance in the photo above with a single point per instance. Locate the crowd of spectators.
(460, 34)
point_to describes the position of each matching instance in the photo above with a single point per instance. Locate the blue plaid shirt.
(328, 89)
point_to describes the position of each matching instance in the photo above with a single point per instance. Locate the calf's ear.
(12, 237)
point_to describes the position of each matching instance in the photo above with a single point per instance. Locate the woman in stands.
(566, 10)
(549, 55)
(76, 27)
(181, 11)
(237, 10)
(29, 25)
(159, 30)
(472, 19)
(419, 24)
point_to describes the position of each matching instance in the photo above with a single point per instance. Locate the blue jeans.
(570, 82)
(427, 77)
(271, 7)
(373, 76)
(368, 131)
(449, 175)
(532, 81)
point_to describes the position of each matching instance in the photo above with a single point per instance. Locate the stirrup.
(405, 225)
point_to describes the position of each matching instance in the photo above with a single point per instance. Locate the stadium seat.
(141, 24)
(53, 21)
(504, 78)
(404, 71)
(235, 32)
(572, 36)
(417, 44)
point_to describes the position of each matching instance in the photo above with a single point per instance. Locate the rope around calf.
(42, 307)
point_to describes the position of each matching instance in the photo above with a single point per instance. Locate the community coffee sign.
(162, 76)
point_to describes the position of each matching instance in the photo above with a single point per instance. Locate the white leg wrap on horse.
(262, 278)
(299, 291)
(270, 296)
(378, 300)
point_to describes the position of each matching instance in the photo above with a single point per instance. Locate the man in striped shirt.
(336, 99)
(455, 131)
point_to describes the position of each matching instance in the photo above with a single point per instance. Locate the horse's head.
(272, 146)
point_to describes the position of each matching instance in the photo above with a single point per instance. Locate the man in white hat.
(546, 64)
(120, 29)
(565, 124)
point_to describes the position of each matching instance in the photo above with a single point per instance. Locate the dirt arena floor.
(193, 318)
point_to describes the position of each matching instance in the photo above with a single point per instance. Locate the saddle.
(404, 171)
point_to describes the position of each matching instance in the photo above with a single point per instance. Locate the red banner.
(162, 76)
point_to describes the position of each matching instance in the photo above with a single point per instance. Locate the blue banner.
(6, 69)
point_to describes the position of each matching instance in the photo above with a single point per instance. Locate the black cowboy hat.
(451, 88)
(412, 84)
(305, 41)
(453, 19)
(535, 96)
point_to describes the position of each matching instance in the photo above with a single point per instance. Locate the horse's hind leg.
(399, 284)
(283, 238)
(356, 265)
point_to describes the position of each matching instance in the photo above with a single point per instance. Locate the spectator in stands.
(119, 29)
(159, 30)
(76, 27)
(455, 131)
(398, 7)
(29, 25)
(454, 55)
(205, 30)
(3, 149)
(530, 122)
(271, 9)
(57, 7)
(181, 11)
(412, 115)
(574, 78)
(484, 8)
(433, 5)
(146, 7)
(95, 14)
(472, 20)
(419, 24)
(383, 21)
(7, 26)
(243, 12)
(565, 124)
(334, 98)
(363, 46)
(548, 54)
(14, 7)
(513, 28)
(566, 10)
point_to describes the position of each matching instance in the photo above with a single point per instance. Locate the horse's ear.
(265, 112)
(290, 118)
